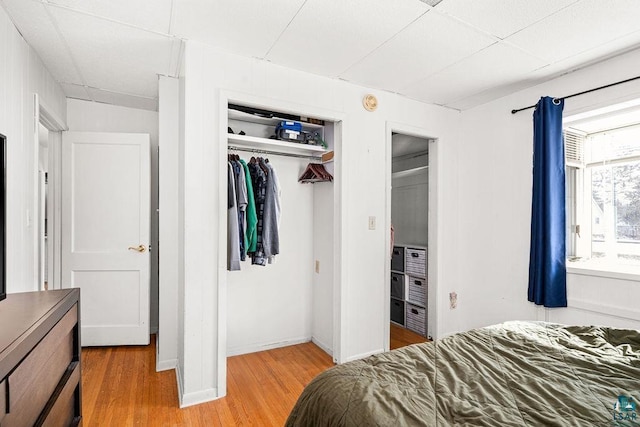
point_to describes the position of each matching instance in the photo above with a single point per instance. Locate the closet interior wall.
(291, 300)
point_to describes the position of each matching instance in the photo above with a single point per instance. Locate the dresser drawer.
(3, 400)
(416, 262)
(61, 411)
(34, 380)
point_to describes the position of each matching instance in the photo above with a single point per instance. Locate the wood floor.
(120, 386)
(401, 337)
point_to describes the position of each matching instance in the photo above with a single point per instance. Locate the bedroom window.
(603, 191)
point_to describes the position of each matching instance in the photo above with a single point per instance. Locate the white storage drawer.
(416, 262)
(417, 291)
(416, 319)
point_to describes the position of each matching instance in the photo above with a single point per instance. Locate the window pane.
(615, 212)
(615, 144)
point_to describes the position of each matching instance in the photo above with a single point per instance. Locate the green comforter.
(513, 374)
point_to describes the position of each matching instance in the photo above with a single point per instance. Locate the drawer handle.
(395, 279)
(415, 255)
(396, 252)
(414, 311)
(418, 282)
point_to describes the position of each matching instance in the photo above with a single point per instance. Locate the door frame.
(43, 114)
(433, 240)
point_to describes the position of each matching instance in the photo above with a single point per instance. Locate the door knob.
(139, 248)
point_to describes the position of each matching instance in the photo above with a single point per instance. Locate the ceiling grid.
(454, 53)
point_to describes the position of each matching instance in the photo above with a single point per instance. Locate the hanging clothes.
(242, 201)
(251, 216)
(259, 182)
(270, 231)
(233, 240)
(254, 203)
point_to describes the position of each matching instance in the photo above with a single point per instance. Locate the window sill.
(586, 268)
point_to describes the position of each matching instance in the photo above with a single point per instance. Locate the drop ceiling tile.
(244, 27)
(477, 73)
(491, 94)
(417, 52)
(124, 100)
(329, 36)
(578, 28)
(75, 91)
(499, 17)
(39, 31)
(115, 57)
(153, 15)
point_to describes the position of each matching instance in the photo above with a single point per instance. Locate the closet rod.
(277, 153)
(581, 93)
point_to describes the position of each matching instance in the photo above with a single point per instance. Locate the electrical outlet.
(372, 223)
(453, 300)
(317, 266)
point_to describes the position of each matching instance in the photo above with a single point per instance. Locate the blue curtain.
(547, 269)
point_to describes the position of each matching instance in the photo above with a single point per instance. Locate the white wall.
(594, 300)
(364, 252)
(86, 116)
(22, 75)
(409, 208)
(271, 305)
(168, 225)
(495, 164)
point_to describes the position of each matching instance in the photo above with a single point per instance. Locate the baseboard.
(165, 365)
(180, 384)
(198, 397)
(253, 348)
(322, 345)
(363, 355)
(195, 398)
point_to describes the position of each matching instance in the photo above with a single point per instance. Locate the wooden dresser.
(40, 359)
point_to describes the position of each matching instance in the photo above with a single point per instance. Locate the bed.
(512, 374)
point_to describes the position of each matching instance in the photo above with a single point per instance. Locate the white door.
(106, 234)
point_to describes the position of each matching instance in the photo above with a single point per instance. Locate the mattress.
(512, 374)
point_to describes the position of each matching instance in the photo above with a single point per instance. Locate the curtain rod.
(277, 153)
(581, 93)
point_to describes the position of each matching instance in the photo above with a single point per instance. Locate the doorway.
(411, 292)
(43, 167)
(47, 138)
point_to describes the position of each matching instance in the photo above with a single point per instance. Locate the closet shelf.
(270, 121)
(265, 143)
(409, 172)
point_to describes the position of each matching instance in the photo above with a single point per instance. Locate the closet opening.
(290, 295)
(411, 296)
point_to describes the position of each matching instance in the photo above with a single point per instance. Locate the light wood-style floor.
(401, 337)
(120, 386)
